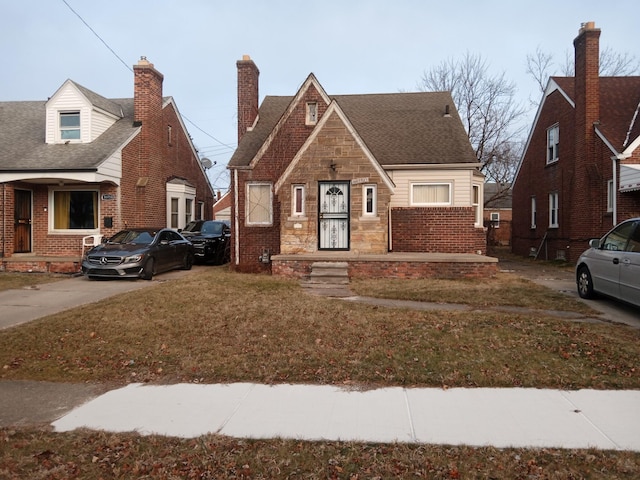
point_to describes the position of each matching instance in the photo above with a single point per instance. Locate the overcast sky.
(352, 46)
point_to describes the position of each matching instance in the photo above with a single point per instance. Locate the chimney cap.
(246, 58)
(584, 26)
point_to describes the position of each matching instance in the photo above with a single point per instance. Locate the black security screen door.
(22, 221)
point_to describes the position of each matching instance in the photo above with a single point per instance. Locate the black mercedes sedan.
(138, 253)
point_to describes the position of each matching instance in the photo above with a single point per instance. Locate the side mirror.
(594, 243)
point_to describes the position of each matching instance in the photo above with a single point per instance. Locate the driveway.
(562, 279)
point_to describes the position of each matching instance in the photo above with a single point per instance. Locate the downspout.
(615, 162)
(614, 200)
(390, 228)
(4, 214)
(235, 216)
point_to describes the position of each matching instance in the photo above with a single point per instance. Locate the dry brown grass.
(10, 280)
(85, 455)
(503, 289)
(214, 326)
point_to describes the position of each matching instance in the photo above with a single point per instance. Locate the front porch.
(28, 263)
(389, 265)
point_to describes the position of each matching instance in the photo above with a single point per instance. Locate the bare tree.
(540, 65)
(488, 109)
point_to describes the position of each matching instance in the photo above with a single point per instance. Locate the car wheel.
(147, 270)
(585, 284)
(188, 261)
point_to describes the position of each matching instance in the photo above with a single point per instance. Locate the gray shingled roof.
(398, 128)
(22, 136)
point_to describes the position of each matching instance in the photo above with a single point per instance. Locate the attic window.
(70, 125)
(312, 113)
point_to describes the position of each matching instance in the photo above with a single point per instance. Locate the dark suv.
(212, 244)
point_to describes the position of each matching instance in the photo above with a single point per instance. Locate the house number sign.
(358, 181)
(108, 196)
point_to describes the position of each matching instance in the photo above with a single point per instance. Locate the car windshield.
(212, 227)
(192, 226)
(141, 237)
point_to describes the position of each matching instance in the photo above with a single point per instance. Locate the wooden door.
(22, 221)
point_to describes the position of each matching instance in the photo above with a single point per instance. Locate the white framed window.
(312, 113)
(169, 135)
(369, 201)
(259, 204)
(70, 125)
(495, 219)
(200, 211)
(188, 210)
(297, 200)
(431, 194)
(475, 202)
(533, 212)
(73, 211)
(610, 196)
(553, 143)
(553, 210)
(175, 212)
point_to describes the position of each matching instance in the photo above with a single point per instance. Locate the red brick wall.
(436, 230)
(285, 144)
(393, 269)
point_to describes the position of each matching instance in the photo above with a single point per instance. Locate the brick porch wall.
(436, 230)
(301, 269)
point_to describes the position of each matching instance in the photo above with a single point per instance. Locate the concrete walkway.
(501, 418)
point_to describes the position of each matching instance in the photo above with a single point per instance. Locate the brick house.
(498, 215)
(349, 176)
(79, 166)
(580, 171)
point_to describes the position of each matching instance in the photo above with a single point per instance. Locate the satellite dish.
(206, 163)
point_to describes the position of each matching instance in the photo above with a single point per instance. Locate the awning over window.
(629, 178)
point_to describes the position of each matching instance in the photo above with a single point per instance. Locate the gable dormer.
(78, 115)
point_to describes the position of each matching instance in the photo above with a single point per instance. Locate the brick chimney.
(147, 111)
(587, 80)
(584, 204)
(248, 75)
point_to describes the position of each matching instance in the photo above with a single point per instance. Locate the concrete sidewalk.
(501, 418)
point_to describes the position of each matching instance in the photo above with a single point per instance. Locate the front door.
(22, 221)
(333, 217)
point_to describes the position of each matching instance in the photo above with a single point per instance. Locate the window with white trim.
(495, 219)
(431, 194)
(369, 201)
(553, 210)
(259, 204)
(312, 113)
(175, 212)
(73, 210)
(188, 210)
(297, 201)
(610, 196)
(553, 144)
(533, 212)
(70, 125)
(475, 202)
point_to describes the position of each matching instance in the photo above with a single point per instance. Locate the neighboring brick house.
(80, 166)
(580, 172)
(350, 174)
(497, 214)
(222, 207)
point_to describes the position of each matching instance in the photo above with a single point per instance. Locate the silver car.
(611, 266)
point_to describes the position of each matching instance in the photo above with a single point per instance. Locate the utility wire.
(131, 70)
(98, 36)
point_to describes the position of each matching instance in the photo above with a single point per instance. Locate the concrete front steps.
(329, 279)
